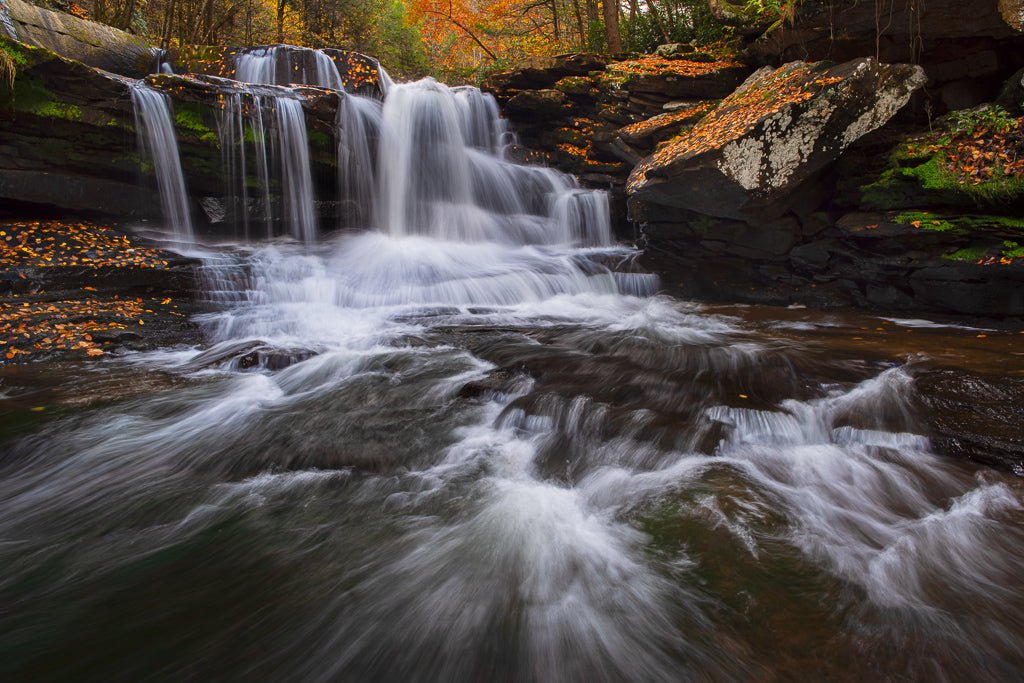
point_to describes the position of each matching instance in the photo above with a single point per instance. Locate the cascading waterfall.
(358, 133)
(285, 163)
(293, 153)
(284, 64)
(441, 175)
(157, 141)
(462, 445)
(231, 133)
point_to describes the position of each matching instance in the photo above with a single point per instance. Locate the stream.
(476, 444)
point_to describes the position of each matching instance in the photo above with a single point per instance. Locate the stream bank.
(763, 192)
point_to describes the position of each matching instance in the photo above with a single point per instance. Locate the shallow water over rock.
(403, 458)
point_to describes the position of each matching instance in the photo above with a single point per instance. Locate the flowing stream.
(471, 443)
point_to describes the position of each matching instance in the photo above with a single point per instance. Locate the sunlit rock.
(780, 129)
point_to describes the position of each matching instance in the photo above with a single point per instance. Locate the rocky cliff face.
(813, 183)
(597, 119)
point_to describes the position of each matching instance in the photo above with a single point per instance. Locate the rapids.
(473, 443)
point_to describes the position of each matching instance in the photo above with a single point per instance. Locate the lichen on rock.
(775, 132)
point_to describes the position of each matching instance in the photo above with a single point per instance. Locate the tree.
(611, 25)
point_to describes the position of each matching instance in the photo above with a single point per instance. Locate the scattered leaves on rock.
(41, 244)
(739, 113)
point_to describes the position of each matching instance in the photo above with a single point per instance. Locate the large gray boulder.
(85, 41)
(749, 157)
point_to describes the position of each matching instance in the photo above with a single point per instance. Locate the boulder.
(85, 41)
(544, 72)
(540, 103)
(747, 158)
(1011, 96)
(674, 49)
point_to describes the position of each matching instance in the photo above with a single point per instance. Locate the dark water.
(544, 479)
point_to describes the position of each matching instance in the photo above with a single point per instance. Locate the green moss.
(909, 182)
(1012, 249)
(969, 254)
(189, 117)
(59, 110)
(926, 221)
(252, 135)
(16, 52)
(318, 138)
(996, 227)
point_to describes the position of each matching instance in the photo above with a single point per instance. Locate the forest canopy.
(460, 39)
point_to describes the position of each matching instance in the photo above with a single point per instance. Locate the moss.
(925, 221)
(189, 117)
(318, 138)
(908, 183)
(996, 227)
(1012, 249)
(59, 110)
(252, 135)
(971, 254)
(16, 52)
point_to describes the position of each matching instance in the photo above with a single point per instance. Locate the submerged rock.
(749, 156)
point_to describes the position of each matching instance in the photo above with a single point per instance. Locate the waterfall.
(441, 174)
(428, 161)
(156, 139)
(262, 164)
(358, 131)
(293, 150)
(231, 133)
(384, 79)
(284, 64)
(245, 155)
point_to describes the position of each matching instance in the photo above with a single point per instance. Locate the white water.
(284, 65)
(609, 503)
(297, 179)
(157, 141)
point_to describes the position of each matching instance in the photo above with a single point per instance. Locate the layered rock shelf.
(888, 185)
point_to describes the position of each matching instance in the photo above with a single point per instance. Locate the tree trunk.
(658, 23)
(611, 25)
(579, 24)
(280, 20)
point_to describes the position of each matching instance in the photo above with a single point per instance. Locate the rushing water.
(472, 444)
(158, 143)
(284, 64)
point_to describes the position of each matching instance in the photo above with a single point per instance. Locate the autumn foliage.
(740, 112)
(83, 320)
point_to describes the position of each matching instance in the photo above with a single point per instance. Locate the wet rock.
(359, 73)
(974, 416)
(1011, 96)
(777, 132)
(68, 143)
(544, 72)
